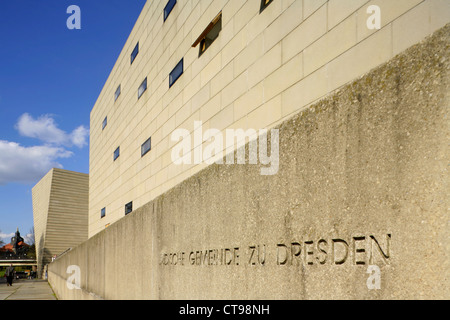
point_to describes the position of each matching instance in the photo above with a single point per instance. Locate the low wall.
(357, 210)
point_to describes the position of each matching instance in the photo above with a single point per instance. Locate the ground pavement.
(26, 290)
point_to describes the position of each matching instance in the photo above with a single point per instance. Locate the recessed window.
(116, 153)
(176, 73)
(135, 52)
(142, 88)
(128, 207)
(168, 8)
(264, 4)
(146, 147)
(103, 213)
(117, 93)
(104, 123)
(209, 34)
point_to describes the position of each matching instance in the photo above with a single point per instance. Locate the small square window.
(176, 73)
(105, 123)
(117, 93)
(128, 207)
(264, 4)
(135, 52)
(146, 147)
(103, 213)
(168, 8)
(142, 88)
(209, 34)
(116, 153)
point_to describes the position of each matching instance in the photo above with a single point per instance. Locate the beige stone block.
(283, 25)
(410, 28)
(304, 92)
(306, 33)
(265, 65)
(245, 14)
(284, 77)
(161, 177)
(253, 51)
(235, 89)
(191, 89)
(188, 124)
(390, 10)
(162, 117)
(310, 6)
(261, 21)
(226, 34)
(236, 45)
(201, 97)
(173, 107)
(360, 59)
(230, 9)
(265, 115)
(339, 10)
(223, 119)
(249, 101)
(418, 23)
(439, 14)
(331, 45)
(183, 113)
(211, 70)
(222, 79)
(287, 3)
(211, 108)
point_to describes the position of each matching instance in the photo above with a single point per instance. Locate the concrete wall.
(60, 213)
(262, 69)
(363, 181)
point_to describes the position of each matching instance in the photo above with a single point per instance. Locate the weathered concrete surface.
(363, 181)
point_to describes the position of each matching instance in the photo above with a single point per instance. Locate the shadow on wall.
(42, 258)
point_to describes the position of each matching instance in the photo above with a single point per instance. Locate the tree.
(31, 253)
(30, 236)
(1, 241)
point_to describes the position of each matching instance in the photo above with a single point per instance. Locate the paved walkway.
(27, 290)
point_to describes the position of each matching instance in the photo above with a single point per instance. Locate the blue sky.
(50, 78)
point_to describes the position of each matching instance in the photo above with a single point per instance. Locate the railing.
(61, 254)
(15, 258)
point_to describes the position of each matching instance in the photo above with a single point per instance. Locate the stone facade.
(60, 212)
(357, 210)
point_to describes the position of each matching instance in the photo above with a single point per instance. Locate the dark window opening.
(103, 213)
(264, 4)
(142, 88)
(105, 123)
(146, 147)
(168, 8)
(128, 207)
(209, 34)
(117, 93)
(116, 153)
(176, 73)
(135, 53)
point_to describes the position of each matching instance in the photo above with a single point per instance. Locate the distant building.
(16, 247)
(60, 211)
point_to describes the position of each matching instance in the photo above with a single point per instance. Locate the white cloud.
(79, 136)
(6, 236)
(28, 164)
(45, 129)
